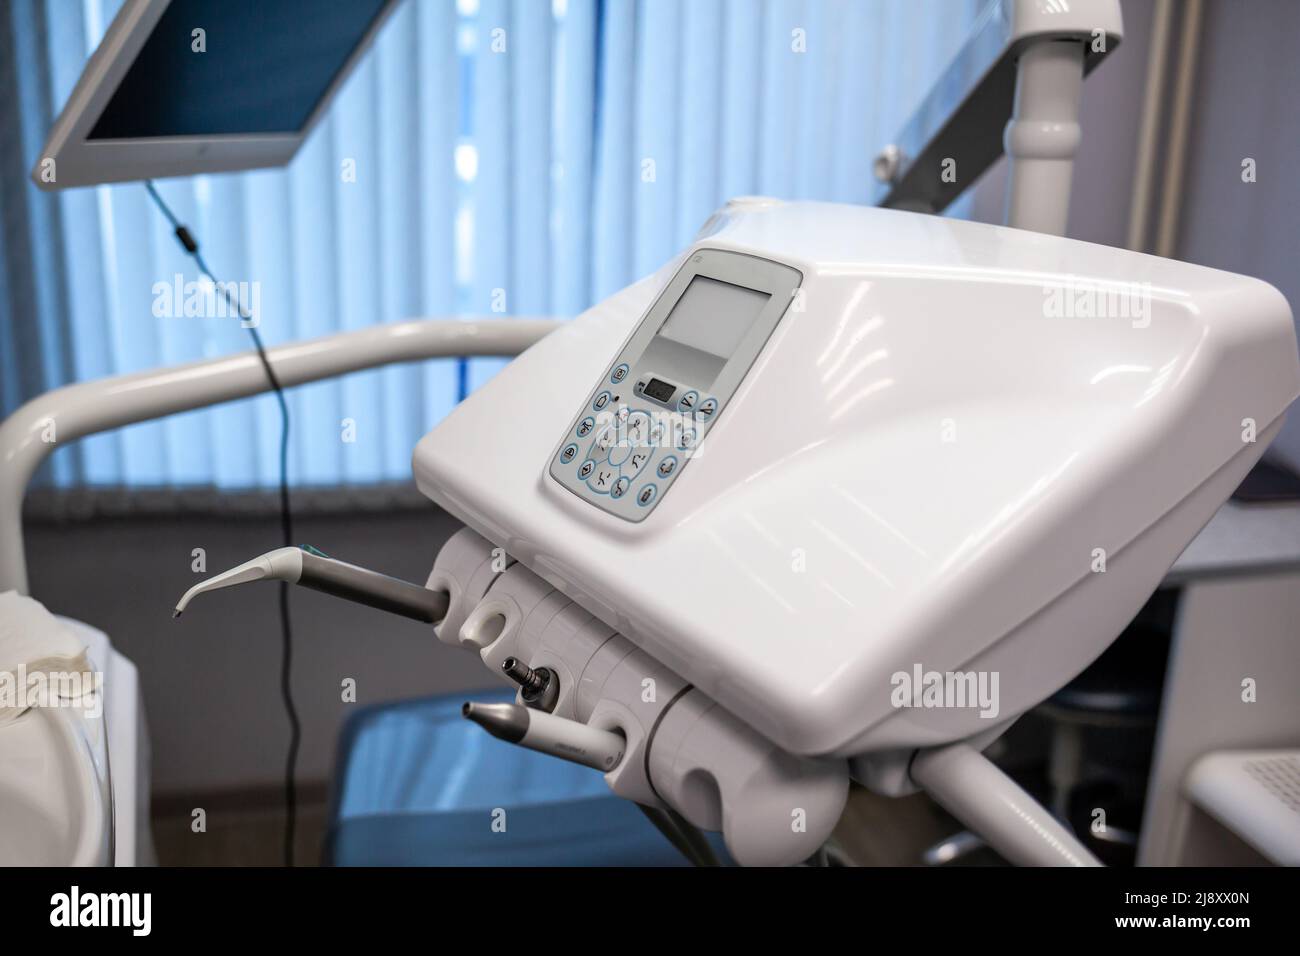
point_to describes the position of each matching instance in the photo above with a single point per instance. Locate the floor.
(240, 829)
(247, 829)
(890, 831)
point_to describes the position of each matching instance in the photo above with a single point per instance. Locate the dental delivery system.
(826, 450)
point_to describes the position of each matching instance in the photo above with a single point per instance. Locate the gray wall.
(1246, 106)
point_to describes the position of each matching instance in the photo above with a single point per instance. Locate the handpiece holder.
(681, 752)
(310, 568)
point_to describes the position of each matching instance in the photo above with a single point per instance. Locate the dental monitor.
(179, 87)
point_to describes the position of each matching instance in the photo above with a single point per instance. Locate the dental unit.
(731, 511)
(839, 493)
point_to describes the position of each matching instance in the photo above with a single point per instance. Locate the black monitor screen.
(264, 67)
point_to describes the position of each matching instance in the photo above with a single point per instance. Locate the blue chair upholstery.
(418, 786)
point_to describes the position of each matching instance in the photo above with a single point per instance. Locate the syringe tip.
(507, 721)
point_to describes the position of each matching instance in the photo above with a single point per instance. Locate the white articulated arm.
(74, 411)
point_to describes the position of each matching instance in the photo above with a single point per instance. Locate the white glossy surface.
(52, 811)
(127, 738)
(829, 536)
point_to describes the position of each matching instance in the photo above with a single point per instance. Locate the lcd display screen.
(713, 316)
(659, 390)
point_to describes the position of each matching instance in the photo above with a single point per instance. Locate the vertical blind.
(502, 157)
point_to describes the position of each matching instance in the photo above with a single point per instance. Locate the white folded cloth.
(41, 659)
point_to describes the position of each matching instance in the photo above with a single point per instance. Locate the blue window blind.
(502, 157)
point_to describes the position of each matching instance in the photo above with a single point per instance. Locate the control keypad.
(624, 452)
(632, 456)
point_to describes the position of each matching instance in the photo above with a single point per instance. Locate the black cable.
(664, 824)
(191, 247)
(693, 837)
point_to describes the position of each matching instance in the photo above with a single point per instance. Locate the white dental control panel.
(832, 537)
(648, 415)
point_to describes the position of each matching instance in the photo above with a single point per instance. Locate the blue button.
(585, 426)
(619, 374)
(646, 495)
(688, 401)
(587, 468)
(707, 409)
(620, 487)
(568, 452)
(667, 465)
(686, 439)
(601, 401)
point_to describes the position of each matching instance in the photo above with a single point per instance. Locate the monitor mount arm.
(1014, 86)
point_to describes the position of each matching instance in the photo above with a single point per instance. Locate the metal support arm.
(1024, 61)
(972, 788)
(1043, 135)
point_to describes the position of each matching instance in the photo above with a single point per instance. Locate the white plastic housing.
(936, 451)
(682, 749)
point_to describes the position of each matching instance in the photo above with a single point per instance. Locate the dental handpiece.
(310, 568)
(549, 734)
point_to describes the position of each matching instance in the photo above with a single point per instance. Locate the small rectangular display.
(659, 390)
(713, 316)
